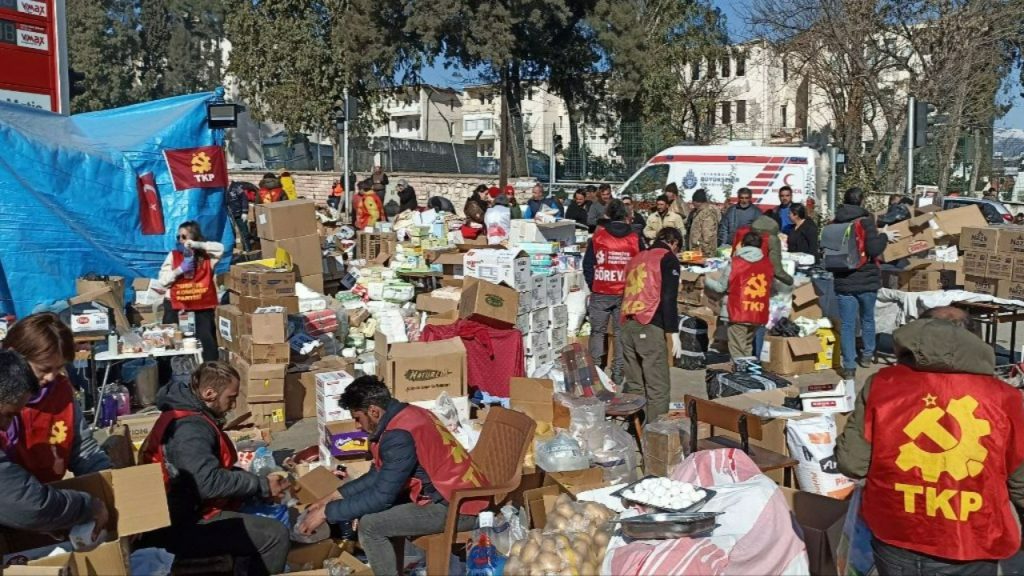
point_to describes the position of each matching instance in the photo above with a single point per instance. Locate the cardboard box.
(305, 252)
(525, 304)
(540, 320)
(345, 439)
(139, 425)
(489, 303)
(562, 232)
(434, 305)
(315, 485)
(1018, 269)
(982, 285)
(535, 342)
(1000, 266)
(283, 220)
(1011, 241)
(805, 303)
(558, 338)
(511, 267)
(830, 356)
(951, 222)
(269, 415)
(1010, 290)
(821, 520)
(664, 448)
(249, 304)
(314, 282)
(691, 288)
(980, 239)
(787, 356)
(107, 559)
(558, 316)
(268, 327)
(422, 370)
(262, 282)
(231, 326)
(253, 353)
(975, 263)
(773, 430)
(533, 397)
(115, 284)
(523, 323)
(918, 280)
(92, 320)
(555, 286)
(261, 382)
(831, 404)
(450, 264)
(916, 236)
(135, 496)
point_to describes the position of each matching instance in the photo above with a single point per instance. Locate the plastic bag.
(151, 561)
(323, 532)
(509, 527)
(812, 441)
(561, 454)
(854, 556)
(614, 451)
(574, 541)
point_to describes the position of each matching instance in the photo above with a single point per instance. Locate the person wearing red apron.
(50, 436)
(649, 312)
(417, 466)
(28, 503)
(940, 442)
(747, 283)
(204, 488)
(188, 271)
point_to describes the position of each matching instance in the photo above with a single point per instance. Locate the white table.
(110, 359)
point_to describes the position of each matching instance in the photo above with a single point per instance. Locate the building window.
(477, 124)
(785, 119)
(785, 70)
(741, 111)
(712, 66)
(726, 113)
(725, 67)
(741, 68)
(695, 70)
(711, 115)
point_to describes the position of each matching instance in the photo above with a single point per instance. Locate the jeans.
(242, 229)
(402, 521)
(646, 363)
(851, 307)
(603, 310)
(263, 541)
(893, 561)
(759, 335)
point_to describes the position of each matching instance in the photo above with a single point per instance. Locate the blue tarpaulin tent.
(68, 198)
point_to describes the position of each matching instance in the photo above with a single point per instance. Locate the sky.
(734, 14)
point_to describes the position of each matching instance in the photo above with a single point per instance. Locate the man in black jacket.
(418, 466)
(649, 313)
(203, 487)
(857, 290)
(742, 213)
(238, 207)
(579, 207)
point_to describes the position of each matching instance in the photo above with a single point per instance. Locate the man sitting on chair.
(417, 467)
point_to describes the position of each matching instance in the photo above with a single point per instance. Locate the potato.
(529, 552)
(601, 539)
(558, 523)
(566, 510)
(589, 568)
(581, 548)
(549, 562)
(548, 545)
(516, 549)
(514, 567)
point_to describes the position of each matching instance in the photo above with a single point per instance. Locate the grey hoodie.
(720, 283)
(28, 504)
(925, 346)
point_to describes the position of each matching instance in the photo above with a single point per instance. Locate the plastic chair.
(499, 453)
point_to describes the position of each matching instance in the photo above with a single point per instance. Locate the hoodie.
(720, 282)
(766, 225)
(28, 504)
(925, 346)
(616, 229)
(734, 219)
(867, 278)
(192, 459)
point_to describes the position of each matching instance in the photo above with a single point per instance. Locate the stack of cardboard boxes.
(993, 261)
(338, 433)
(291, 225)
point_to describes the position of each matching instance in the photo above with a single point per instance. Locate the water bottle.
(123, 399)
(483, 557)
(108, 410)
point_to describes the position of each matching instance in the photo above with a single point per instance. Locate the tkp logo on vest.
(959, 458)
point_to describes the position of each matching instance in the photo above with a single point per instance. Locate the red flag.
(202, 167)
(151, 212)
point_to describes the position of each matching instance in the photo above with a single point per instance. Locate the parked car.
(995, 212)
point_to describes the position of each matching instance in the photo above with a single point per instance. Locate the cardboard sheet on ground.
(69, 195)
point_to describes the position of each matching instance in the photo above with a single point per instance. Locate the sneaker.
(864, 362)
(847, 373)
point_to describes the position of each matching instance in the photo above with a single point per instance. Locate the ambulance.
(722, 170)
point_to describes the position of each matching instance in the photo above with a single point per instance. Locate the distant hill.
(1008, 141)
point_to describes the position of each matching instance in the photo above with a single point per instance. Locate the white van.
(722, 170)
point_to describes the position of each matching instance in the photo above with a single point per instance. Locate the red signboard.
(34, 56)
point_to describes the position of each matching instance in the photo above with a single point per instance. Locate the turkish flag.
(151, 212)
(202, 167)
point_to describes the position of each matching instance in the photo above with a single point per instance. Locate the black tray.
(708, 495)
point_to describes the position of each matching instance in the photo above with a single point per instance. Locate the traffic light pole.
(910, 146)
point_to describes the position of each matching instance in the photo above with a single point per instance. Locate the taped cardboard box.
(261, 382)
(976, 263)
(107, 559)
(305, 252)
(231, 326)
(263, 282)
(253, 353)
(535, 398)
(300, 387)
(982, 285)
(268, 415)
(451, 264)
(418, 371)
(951, 222)
(489, 303)
(691, 288)
(788, 356)
(1010, 290)
(268, 327)
(434, 305)
(249, 304)
(979, 239)
(509, 267)
(139, 425)
(344, 439)
(1000, 266)
(104, 295)
(916, 236)
(805, 303)
(314, 282)
(288, 219)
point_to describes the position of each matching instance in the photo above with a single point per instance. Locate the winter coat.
(594, 214)
(766, 226)
(734, 219)
(719, 282)
(407, 199)
(867, 278)
(238, 198)
(655, 222)
(616, 229)
(192, 459)
(577, 212)
(535, 207)
(703, 229)
(804, 239)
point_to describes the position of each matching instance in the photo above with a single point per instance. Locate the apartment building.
(422, 112)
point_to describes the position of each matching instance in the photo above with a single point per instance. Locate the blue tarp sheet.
(68, 198)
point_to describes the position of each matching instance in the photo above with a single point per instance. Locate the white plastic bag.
(561, 454)
(812, 441)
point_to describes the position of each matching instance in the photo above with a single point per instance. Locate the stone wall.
(455, 187)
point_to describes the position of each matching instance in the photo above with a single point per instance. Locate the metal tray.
(708, 495)
(666, 526)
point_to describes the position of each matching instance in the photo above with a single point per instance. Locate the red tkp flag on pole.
(202, 167)
(151, 212)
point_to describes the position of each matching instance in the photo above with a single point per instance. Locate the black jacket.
(577, 212)
(379, 490)
(407, 199)
(237, 200)
(805, 239)
(617, 229)
(192, 457)
(867, 278)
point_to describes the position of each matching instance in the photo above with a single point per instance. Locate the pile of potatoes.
(572, 543)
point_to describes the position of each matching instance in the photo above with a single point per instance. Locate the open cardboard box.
(821, 519)
(788, 356)
(316, 554)
(315, 485)
(107, 559)
(538, 501)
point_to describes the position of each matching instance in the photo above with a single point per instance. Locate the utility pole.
(506, 131)
(832, 179)
(910, 146)
(347, 186)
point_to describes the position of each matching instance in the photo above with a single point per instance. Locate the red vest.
(47, 433)
(446, 462)
(153, 452)
(612, 255)
(737, 240)
(643, 286)
(268, 196)
(750, 291)
(369, 210)
(197, 292)
(942, 448)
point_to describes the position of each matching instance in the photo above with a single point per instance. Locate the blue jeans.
(759, 340)
(852, 306)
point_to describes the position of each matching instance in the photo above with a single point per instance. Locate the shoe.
(847, 373)
(864, 362)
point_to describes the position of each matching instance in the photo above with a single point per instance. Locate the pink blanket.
(755, 534)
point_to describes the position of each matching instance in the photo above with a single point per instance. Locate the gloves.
(188, 266)
(245, 217)
(677, 346)
(891, 235)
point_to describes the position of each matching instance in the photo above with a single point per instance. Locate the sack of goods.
(721, 384)
(693, 335)
(812, 441)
